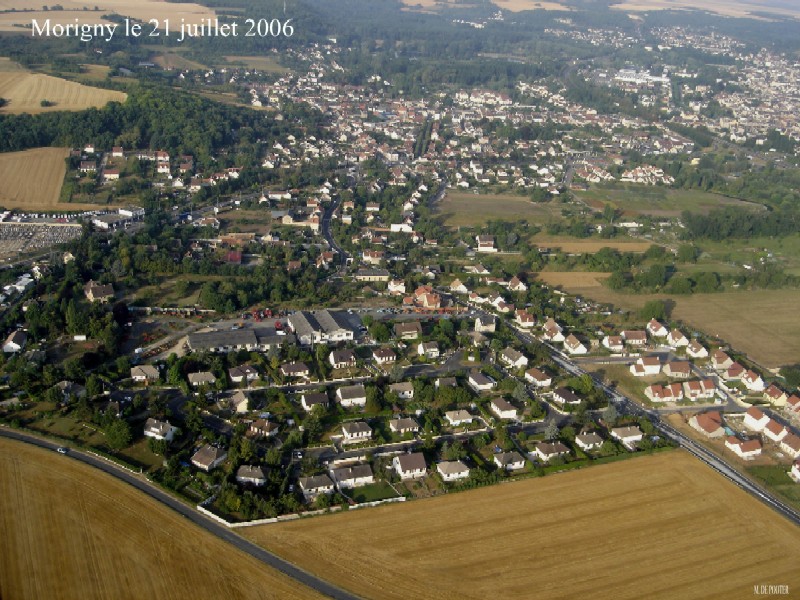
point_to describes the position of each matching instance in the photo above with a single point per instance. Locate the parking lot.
(23, 238)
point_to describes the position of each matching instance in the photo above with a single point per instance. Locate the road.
(217, 529)
(326, 233)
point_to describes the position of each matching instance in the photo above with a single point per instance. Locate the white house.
(614, 343)
(646, 366)
(656, 329)
(159, 430)
(574, 346)
(513, 358)
(144, 373)
(480, 382)
(744, 449)
(548, 450)
(252, 474)
(708, 423)
(15, 342)
(755, 419)
(458, 417)
(352, 395)
(696, 350)
(342, 359)
(700, 389)
(355, 432)
(242, 373)
(452, 470)
(315, 485)
(538, 378)
(311, 399)
(509, 461)
(485, 324)
(752, 381)
(525, 319)
(404, 390)
(563, 395)
(775, 431)
(795, 472)
(503, 409)
(428, 349)
(410, 466)
(353, 476)
(676, 339)
(588, 441)
(629, 436)
(208, 457)
(791, 445)
(403, 426)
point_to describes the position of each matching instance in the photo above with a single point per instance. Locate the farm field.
(657, 201)
(25, 92)
(571, 244)
(262, 63)
(520, 5)
(569, 279)
(764, 324)
(143, 10)
(647, 527)
(31, 179)
(467, 209)
(175, 60)
(95, 537)
(728, 8)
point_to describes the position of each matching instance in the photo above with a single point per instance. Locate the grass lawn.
(139, 454)
(775, 478)
(373, 492)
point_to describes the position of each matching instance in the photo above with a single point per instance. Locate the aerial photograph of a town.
(399, 299)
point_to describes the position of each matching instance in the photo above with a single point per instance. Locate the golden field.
(570, 244)
(520, 5)
(764, 324)
(25, 91)
(659, 526)
(70, 531)
(570, 279)
(143, 10)
(728, 8)
(32, 178)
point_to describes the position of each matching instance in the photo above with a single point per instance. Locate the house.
(795, 472)
(525, 319)
(445, 382)
(656, 329)
(485, 243)
(793, 404)
(322, 326)
(452, 470)
(614, 343)
(538, 378)
(71, 390)
(588, 441)
(700, 389)
(315, 485)
(664, 393)
(396, 286)
(410, 330)
(509, 461)
(503, 408)
(513, 358)
(355, 432)
(775, 431)
(202, 378)
(696, 350)
(721, 361)
(752, 381)
(563, 395)
(384, 356)
(547, 450)
(261, 428)
(15, 342)
(311, 399)
(679, 369)
(457, 287)
(458, 417)
(735, 371)
(629, 435)
(144, 373)
(254, 475)
(485, 324)
(96, 292)
(353, 476)
(295, 369)
(553, 334)
(403, 426)
(516, 285)
(646, 366)
(428, 349)
(676, 339)
(791, 445)
(117, 152)
(209, 458)
(708, 423)
(342, 359)
(240, 402)
(404, 390)
(244, 373)
(744, 449)
(574, 346)
(352, 395)
(159, 430)
(775, 396)
(480, 382)
(410, 466)
(635, 338)
(755, 419)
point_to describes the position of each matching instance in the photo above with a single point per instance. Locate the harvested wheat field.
(143, 10)
(659, 526)
(568, 279)
(70, 531)
(520, 5)
(570, 245)
(25, 92)
(729, 8)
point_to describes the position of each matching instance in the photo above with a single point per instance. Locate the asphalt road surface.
(193, 515)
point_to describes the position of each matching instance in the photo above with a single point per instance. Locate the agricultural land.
(143, 10)
(87, 539)
(469, 545)
(727, 8)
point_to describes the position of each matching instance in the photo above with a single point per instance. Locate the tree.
(654, 309)
(610, 415)
(551, 430)
(520, 394)
(455, 451)
(94, 387)
(687, 253)
(118, 434)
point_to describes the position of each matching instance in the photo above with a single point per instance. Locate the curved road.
(193, 515)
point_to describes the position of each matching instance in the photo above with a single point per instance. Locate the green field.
(461, 208)
(655, 200)
(374, 492)
(775, 478)
(261, 63)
